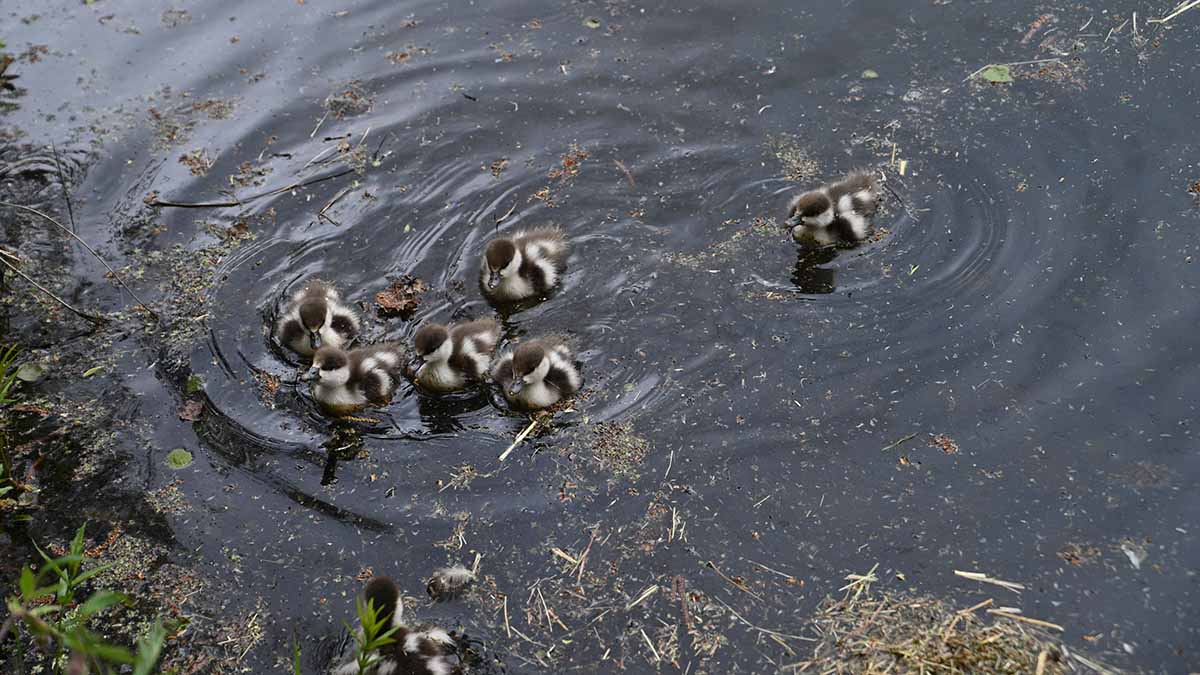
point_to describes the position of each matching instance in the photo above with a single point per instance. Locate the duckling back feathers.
(837, 213)
(315, 317)
(417, 650)
(453, 355)
(529, 263)
(346, 381)
(539, 373)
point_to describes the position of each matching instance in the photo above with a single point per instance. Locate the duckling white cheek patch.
(823, 219)
(511, 268)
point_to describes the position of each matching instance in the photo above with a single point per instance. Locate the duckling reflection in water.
(416, 650)
(809, 277)
(314, 317)
(838, 213)
(524, 265)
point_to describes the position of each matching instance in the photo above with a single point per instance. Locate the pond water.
(997, 382)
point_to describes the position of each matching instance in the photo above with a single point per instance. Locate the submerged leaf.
(996, 74)
(592, 22)
(30, 372)
(179, 458)
(869, 74)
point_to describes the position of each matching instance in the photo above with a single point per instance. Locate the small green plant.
(374, 634)
(46, 606)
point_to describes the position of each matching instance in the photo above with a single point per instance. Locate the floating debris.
(402, 298)
(946, 444)
(191, 411)
(878, 632)
(179, 458)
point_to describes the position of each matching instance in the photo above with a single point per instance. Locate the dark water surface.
(1035, 303)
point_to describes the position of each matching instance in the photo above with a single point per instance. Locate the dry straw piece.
(867, 631)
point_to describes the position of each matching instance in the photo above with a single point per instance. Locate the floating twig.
(980, 576)
(155, 201)
(650, 644)
(1025, 619)
(564, 555)
(764, 631)
(736, 584)
(508, 213)
(649, 591)
(336, 198)
(91, 250)
(322, 121)
(1179, 9)
(628, 174)
(64, 303)
(520, 437)
(900, 442)
(62, 182)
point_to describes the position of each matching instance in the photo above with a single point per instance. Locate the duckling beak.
(493, 279)
(310, 374)
(515, 387)
(314, 339)
(793, 221)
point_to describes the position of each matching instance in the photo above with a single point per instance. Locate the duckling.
(451, 356)
(416, 650)
(448, 582)
(538, 374)
(343, 382)
(528, 263)
(836, 213)
(315, 317)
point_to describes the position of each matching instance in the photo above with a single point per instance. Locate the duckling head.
(330, 368)
(432, 344)
(811, 208)
(382, 593)
(503, 261)
(530, 365)
(312, 318)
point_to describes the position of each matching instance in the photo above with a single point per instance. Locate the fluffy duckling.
(343, 382)
(448, 582)
(452, 356)
(839, 213)
(316, 317)
(525, 265)
(538, 374)
(417, 650)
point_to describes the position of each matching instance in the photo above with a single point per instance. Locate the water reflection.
(809, 276)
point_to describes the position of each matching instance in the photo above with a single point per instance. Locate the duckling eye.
(328, 366)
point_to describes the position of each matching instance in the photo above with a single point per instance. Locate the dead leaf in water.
(191, 411)
(402, 298)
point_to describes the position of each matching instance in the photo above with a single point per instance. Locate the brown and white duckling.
(417, 650)
(452, 356)
(448, 582)
(524, 265)
(316, 317)
(538, 373)
(343, 382)
(839, 213)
